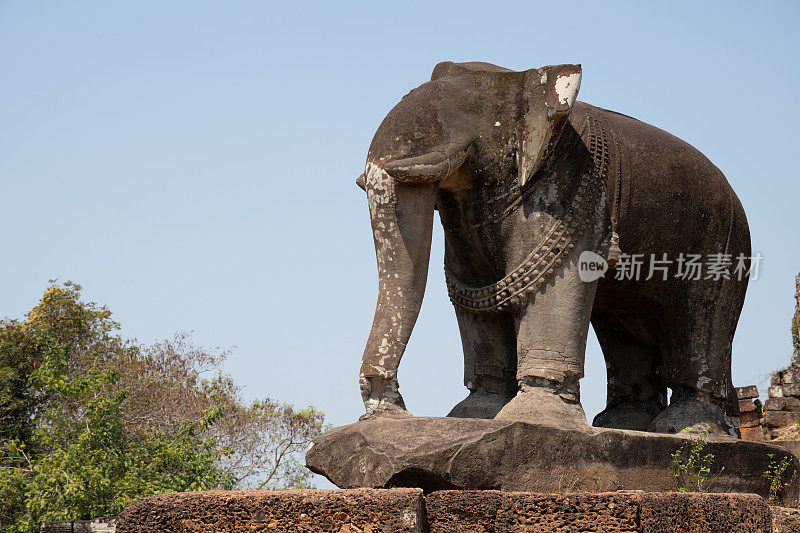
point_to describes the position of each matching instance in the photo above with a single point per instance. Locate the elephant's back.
(669, 198)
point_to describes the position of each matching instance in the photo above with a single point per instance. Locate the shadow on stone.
(423, 479)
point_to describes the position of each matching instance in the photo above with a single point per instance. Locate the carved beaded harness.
(559, 240)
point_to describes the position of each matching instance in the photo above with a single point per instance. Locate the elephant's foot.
(627, 415)
(381, 398)
(692, 411)
(546, 402)
(385, 410)
(487, 395)
(479, 404)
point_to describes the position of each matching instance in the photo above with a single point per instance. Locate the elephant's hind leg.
(698, 360)
(490, 362)
(637, 391)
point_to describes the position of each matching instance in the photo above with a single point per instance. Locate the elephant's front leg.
(551, 344)
(490, 355)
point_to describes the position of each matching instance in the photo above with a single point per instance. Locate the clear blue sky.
(192, 163)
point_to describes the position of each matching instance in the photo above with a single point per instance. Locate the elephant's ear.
(549, 93)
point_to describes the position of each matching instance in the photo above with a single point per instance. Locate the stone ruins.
(777, 420)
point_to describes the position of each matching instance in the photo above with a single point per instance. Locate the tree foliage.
(90, 422)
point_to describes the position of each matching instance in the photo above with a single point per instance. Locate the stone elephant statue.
(526, 179)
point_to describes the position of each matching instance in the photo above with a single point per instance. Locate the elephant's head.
(491, 121)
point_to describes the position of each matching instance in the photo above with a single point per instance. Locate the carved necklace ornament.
(560, 239)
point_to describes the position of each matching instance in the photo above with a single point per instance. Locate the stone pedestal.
(452, 453)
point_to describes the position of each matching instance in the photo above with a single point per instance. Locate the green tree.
(260, 443)
(90, 422)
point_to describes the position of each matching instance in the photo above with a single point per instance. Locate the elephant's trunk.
(402, 221)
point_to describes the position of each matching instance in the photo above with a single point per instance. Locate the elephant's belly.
(474, 253)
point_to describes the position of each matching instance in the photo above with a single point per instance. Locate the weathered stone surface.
(791, 445)
(362, 510)
(502, 512)
(394, 510)
(796, 323)
(779, 419)
(753, 433)
(718, 513)
(785, 520)
(452, 453)
(751, 419)
(791, 389)
(97, 525)
(747, 406)
(507, 512)
(776, 391)
(747, 393)
(791, 375)
(782, 404)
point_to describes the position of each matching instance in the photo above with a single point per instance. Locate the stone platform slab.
(409, 510)
(457, 454)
